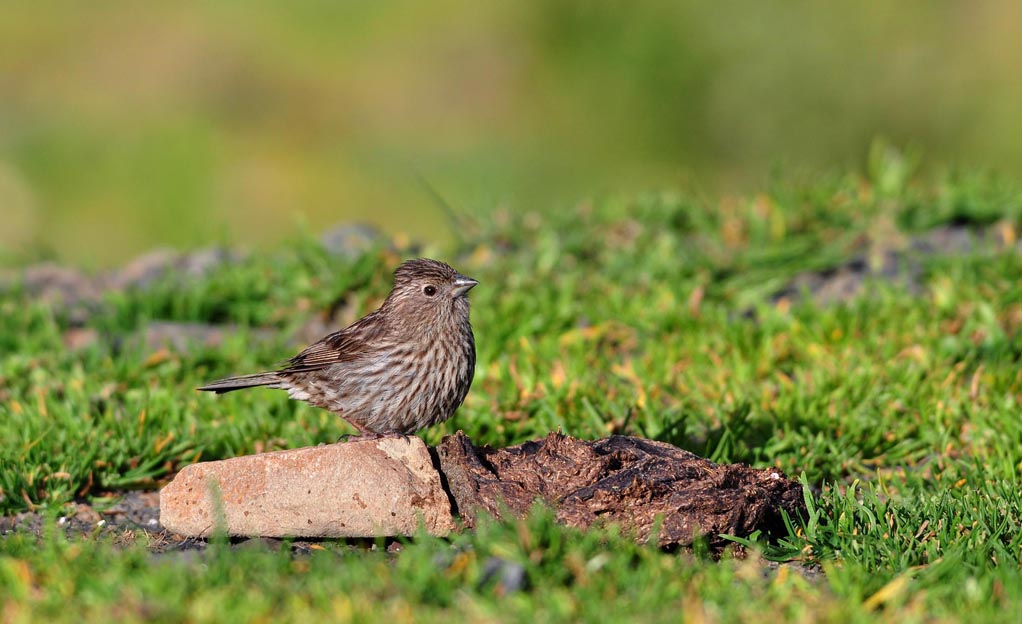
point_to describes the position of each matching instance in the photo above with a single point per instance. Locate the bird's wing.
(351, 343)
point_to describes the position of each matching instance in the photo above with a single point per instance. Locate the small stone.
(86, 513)
(510, 575)
(361, 488)
(79, 338)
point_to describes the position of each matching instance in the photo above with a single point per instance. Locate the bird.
(402, 368)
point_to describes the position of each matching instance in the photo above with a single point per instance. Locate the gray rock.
(79, 296)
(149, 268)
(184, 337)
(899, 263)
(361, 488)
(349, 240)
(509, 575)
(57, 285)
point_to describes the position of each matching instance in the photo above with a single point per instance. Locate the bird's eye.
(429, 290)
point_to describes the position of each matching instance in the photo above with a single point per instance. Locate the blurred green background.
(126, 125)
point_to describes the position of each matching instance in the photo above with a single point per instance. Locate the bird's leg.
(363, 433)
(372, 435)
(367, 435)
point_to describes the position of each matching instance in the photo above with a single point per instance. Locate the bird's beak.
(463, 284)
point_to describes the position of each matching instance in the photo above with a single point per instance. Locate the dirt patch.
(134, 518)
(122, 518)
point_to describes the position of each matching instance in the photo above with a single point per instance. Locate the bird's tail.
(241, 381)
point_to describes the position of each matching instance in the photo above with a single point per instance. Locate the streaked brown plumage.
(397, 370)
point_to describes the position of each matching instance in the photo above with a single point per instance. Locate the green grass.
(649, 315)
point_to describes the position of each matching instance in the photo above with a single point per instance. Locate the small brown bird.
(397, 370)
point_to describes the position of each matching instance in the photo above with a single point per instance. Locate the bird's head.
(427, 289)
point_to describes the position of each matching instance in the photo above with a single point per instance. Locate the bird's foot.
(368, 436)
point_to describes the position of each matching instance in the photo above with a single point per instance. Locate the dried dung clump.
(641, 485)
